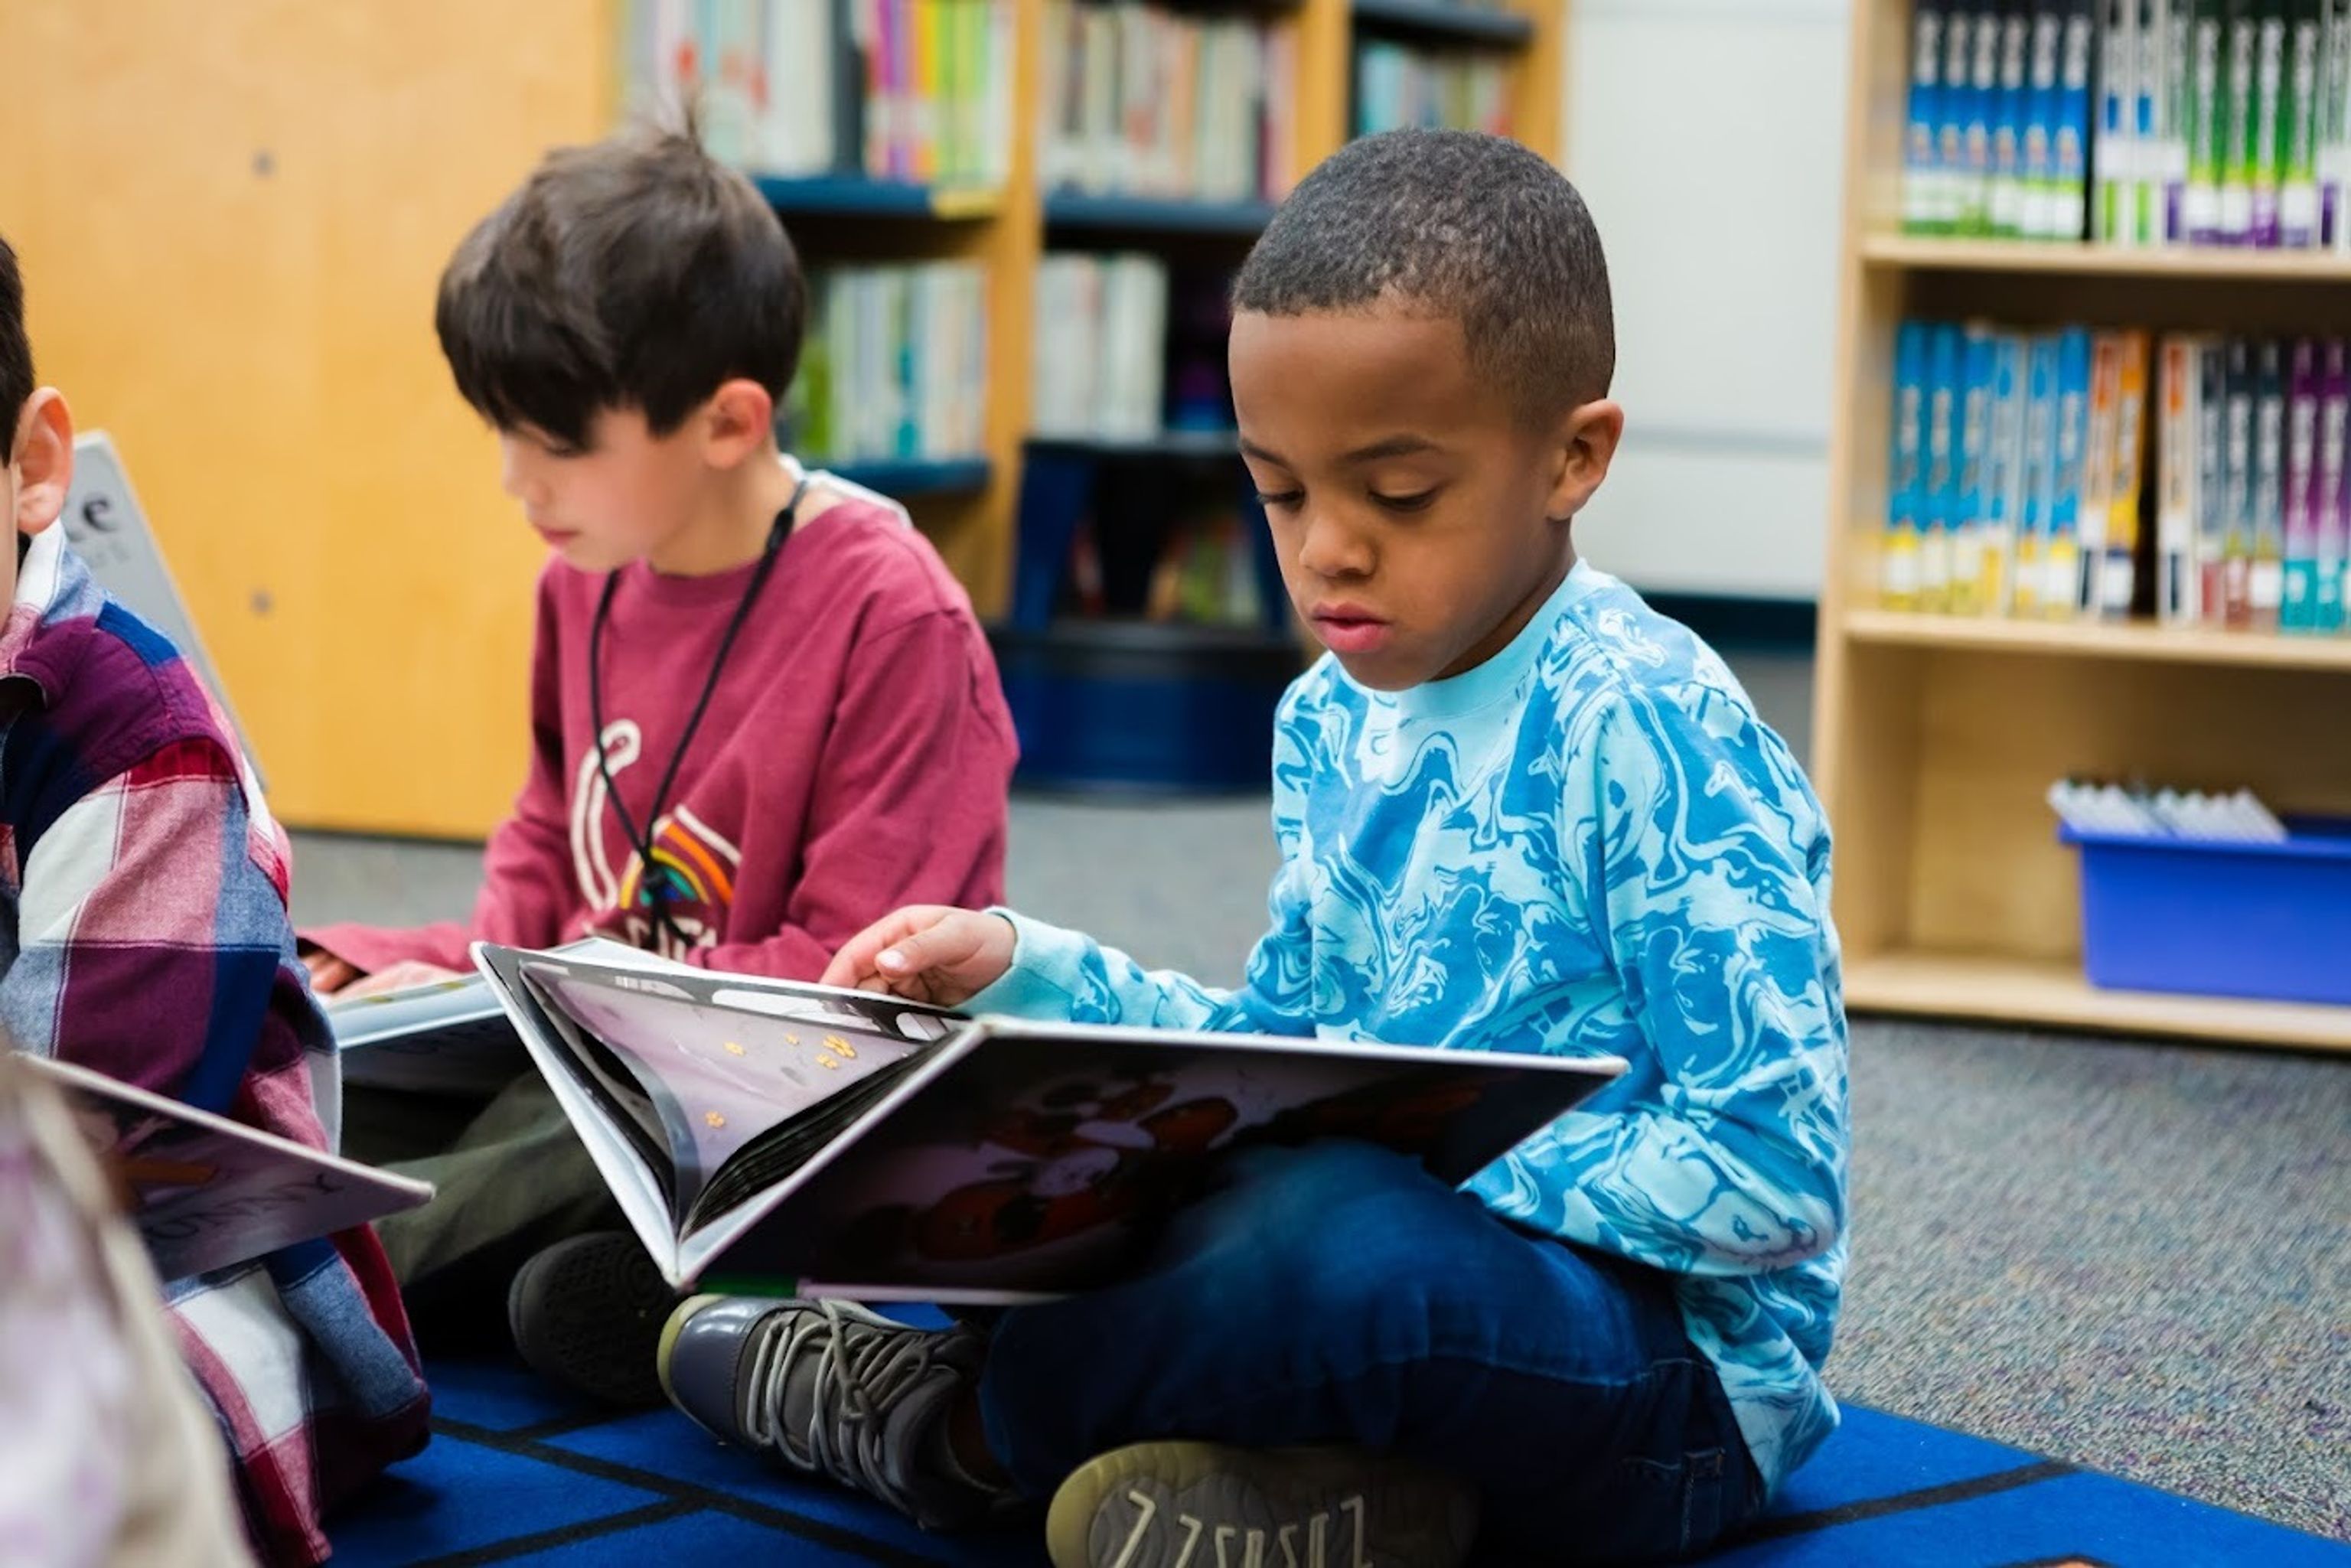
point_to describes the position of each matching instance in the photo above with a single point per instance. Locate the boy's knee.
(1339, 1226)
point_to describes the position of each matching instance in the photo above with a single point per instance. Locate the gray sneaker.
(833, 1390)
(1156, 1505)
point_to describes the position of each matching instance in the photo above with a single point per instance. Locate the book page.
(1032, 1158)
(205, 1192)
(715, 1078)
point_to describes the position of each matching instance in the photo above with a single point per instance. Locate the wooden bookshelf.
(1904, 252)
(1936, 736)
(249, 312)
(2094, 640)
(2054, 993)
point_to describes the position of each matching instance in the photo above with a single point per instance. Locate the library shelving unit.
(1004, 521)
(1936, 736)
(974, 520)
(363, 541)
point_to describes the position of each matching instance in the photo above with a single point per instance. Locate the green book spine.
(2298, 202)
(2242, 44)
(2266, 132)
(2206, 121)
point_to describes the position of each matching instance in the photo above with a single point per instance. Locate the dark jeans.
(1337, 1294)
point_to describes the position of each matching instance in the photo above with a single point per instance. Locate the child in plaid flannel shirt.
(111, 1462)
(143, 934)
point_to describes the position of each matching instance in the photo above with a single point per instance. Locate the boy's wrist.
(1029, 986)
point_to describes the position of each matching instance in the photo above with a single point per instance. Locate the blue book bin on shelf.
(1128, 705)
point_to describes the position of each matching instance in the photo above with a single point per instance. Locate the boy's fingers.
(949, 945)
(854, 967)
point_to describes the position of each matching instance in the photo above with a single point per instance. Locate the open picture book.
(445, 1037)
(774, 1137)
(206, 1192)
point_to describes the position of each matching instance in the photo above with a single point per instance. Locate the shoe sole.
(670, 1331)
(1199, 1505)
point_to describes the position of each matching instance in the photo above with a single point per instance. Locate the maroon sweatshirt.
(855, 758)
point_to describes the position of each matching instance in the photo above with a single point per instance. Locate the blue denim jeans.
(1337, 1294)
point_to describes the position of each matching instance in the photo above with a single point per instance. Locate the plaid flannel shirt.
(145, 935)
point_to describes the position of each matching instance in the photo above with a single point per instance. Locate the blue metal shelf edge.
(1077, 210)
(850, 196)
(1452, 21)
(955, 475)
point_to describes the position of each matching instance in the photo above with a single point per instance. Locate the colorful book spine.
(2151, 93)
(2334, 125)
(2070, 185)
(2062, 553)
(2212, 493)
(2010, 194)
(1957, 108)
(2041, 119)
(2237, 558)
(2004, 480)
(2265, 587)
(2113, 155)
(1981, 107)
(2117, 575)
(1973, 447)
(2298, 198)
(2269, 133)
(2176, 114)
(1940, 487)
(2333, 505)
(2029, 575)
(2298, 600)
(2241, 42)
(2175, 487)
(1897, 582)
(2207, 122)
(1923, 208)
(2097, 471)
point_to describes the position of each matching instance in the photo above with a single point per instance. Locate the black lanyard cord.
(642, 840)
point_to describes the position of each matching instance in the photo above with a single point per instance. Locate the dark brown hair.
(634, 273)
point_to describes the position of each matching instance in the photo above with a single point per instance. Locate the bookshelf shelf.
(2092, 639)
(2019, 990)
(848, 196)
(1073, 211)
(1191, 445)
(1443, 21)
(901, 480)
(1898, 252)
(1936, 736)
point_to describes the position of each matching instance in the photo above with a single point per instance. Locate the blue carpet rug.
(517, 1473)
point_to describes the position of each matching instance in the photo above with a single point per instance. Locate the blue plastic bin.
(2270, 921)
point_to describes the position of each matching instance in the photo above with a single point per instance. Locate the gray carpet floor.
(2129, 1256)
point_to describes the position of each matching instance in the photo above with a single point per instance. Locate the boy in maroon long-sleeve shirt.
(800, 725)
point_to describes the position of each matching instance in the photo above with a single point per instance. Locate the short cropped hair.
(1457, 224)
(638, 273)
(16, 348)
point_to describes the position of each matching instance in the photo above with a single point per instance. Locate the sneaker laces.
(862, 1370)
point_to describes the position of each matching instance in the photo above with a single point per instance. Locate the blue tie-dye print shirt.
(1589, 843)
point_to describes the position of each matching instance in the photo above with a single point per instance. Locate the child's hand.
(927, 953)
(328, 974)
(394, 977)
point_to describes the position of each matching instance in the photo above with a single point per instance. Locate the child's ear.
(737, 422)
(1586, 438)
(43, 459)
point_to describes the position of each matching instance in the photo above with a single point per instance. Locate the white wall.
(1707, 137)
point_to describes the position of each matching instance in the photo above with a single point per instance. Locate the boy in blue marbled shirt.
(1518, 810)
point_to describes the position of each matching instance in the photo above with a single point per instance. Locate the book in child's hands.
(206, 1192)
(776, 1137)
(445, 1037)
